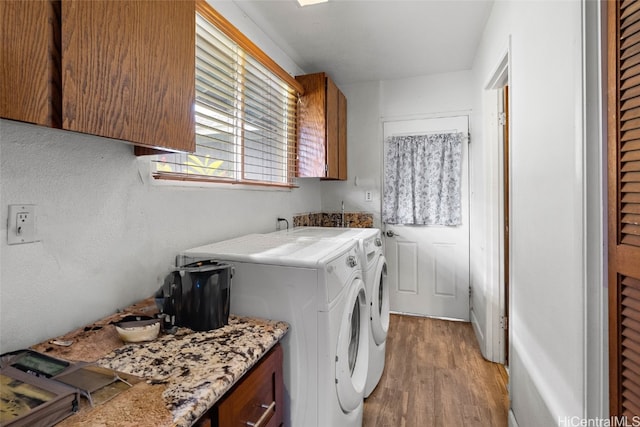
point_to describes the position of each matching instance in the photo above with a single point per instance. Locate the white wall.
(108, 233)
(419, 97)
(547, 351)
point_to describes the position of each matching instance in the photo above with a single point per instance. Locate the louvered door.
(624, 206)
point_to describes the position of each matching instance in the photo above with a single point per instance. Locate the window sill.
(148, 176)
(182, 181)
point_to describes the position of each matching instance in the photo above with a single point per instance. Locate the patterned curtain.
(422, 179)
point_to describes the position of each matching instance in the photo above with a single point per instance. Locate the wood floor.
(436, 376)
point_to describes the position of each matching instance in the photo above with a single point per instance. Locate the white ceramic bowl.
(138, 331)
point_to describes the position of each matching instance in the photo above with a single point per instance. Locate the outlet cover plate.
(21, 224)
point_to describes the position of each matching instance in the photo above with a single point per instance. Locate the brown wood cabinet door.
(29, 61)
(624, 206)
(342, 136)
(128, 71)
(312, 125)
(333, 166)
(258, 399)
(322, 129)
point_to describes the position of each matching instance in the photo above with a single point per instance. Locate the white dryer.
(374, 268)
(317, 287)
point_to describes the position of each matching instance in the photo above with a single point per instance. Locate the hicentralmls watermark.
(623, 421)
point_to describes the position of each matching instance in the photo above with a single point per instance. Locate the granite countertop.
(183, 374)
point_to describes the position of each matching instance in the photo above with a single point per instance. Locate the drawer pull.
(265, 417)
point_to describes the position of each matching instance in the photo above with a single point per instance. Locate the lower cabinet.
(256, 400)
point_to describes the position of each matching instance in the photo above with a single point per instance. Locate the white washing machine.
(374, 268)
(317, 287)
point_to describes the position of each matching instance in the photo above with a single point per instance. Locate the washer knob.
(378, 242)
(352, 261)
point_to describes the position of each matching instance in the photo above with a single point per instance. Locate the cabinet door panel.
(311, 126)
(29, 61)
(332, 130)
(129, 71)
(342, 136)
(258, 397)
(322, 129)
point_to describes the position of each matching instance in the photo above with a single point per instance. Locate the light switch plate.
(21, 224)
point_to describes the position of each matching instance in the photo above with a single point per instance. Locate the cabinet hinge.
(502, 119)
(504, 322)
(326, 168)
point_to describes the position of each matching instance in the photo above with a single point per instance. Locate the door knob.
(390, 233)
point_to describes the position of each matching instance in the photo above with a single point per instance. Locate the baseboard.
(479, 334)
(528, 394)
(407, 313)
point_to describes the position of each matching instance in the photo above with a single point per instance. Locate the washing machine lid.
(369, 239)
(313, 232)
(329, 232)
(273, 249)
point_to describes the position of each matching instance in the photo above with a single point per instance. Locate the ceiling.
(369, 40)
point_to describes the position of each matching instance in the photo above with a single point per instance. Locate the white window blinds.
(245, 118)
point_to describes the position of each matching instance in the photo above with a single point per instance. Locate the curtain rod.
(426, 133)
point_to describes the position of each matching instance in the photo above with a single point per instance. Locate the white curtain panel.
(422, 179)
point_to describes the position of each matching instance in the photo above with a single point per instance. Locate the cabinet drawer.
(257, 399)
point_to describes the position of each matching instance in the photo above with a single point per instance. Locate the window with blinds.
(245, 118)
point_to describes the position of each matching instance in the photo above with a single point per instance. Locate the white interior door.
(428, 266)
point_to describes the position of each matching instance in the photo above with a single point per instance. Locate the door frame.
(440, 115)
(493, 339)
(594, 122)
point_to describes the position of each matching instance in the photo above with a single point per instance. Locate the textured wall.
(108, 232)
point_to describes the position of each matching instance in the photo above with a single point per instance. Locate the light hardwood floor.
(436, 376)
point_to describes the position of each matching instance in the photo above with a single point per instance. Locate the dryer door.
(353, 346)
(380, 302)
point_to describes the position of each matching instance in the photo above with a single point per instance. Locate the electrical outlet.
(21, 224)
(368, 196)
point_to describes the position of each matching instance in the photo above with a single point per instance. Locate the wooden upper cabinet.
(128, 71)
(119, 69)
(322, 129)
(29, 61)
